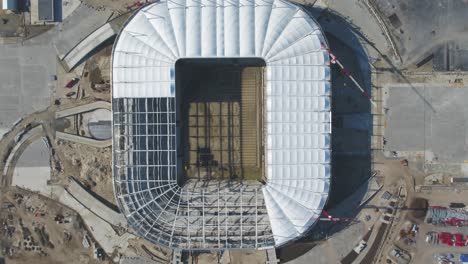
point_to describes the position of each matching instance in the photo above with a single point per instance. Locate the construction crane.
(334, 60)
(329, 218)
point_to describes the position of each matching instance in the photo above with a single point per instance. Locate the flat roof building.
(46, 10)
(42, 11)
(221, 214)
(10, 5)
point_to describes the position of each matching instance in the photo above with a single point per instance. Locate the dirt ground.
(141, 247)
(10, 24)
(115, 5)
(232, 257)
(221, 105)
(29, 231)
(421, 251)
(90, 165)
(95, 81)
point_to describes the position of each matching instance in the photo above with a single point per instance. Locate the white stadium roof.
(298, 123)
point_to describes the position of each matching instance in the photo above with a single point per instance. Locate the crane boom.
(334, 60)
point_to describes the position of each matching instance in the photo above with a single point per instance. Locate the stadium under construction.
(221, 123)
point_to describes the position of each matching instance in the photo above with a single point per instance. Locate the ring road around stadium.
(214, 215)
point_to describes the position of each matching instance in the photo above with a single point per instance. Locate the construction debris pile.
(33, 226)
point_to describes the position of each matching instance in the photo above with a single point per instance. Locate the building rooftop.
(46, 10)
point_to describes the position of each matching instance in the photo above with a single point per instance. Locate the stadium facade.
(221, 214)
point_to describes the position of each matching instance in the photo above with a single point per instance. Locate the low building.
(459, 180)
(42, 11)
(10, 5)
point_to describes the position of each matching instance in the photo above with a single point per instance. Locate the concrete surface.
(102, 231)
(96, 206)
(420, 27)
(25, 85)
(21, 144)
(68, 6)
(73, 30)
(364, 26)
(25, 69)
(82, 108)
(32, 170)
(87, 45)
(436, 124)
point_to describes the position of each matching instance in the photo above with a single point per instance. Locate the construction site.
(221, 119)
(138, 132)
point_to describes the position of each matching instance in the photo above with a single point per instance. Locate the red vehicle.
(449, 239)
(459, 240)
(446, 238)
(71, 83)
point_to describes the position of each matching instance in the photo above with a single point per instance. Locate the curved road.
(10, 165)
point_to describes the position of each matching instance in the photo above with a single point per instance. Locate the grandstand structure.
(221, 214)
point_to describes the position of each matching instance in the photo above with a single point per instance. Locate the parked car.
(71, 83)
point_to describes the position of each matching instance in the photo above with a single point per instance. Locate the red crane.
(334, 60)
(332, 219)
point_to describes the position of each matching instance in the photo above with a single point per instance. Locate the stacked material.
(444, 215)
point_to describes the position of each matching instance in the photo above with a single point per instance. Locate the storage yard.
(42, 229)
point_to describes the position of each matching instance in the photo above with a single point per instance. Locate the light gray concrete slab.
(35, 155)
(32, 170)
(87, 45)
(436, 124)
(96, 206)
(25, 85)
(405, 120)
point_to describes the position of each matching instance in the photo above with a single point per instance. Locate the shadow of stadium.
(351, 131)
